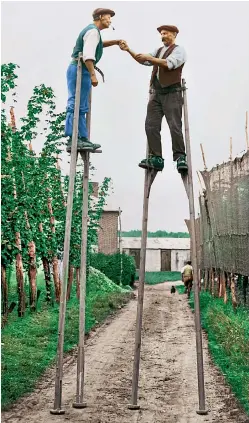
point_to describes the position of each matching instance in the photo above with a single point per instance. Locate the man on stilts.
(165, 98)
(90, 44)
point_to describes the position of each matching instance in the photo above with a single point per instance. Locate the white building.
(162, 254)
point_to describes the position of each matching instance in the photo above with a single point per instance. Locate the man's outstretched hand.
(123, 45)
(140, 58)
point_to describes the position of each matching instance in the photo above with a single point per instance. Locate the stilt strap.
(101, 73)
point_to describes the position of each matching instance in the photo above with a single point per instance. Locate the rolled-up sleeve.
(91, 40)
(176, 58)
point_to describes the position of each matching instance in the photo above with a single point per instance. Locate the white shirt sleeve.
(183, 269)
(176, 58)
(91, 40)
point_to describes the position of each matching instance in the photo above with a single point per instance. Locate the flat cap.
(170, 28)
(100, 11)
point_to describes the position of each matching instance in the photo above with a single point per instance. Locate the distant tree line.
(157, 234)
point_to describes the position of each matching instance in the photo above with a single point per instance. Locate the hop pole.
(190, 191)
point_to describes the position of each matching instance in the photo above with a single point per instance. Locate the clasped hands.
(141, 58)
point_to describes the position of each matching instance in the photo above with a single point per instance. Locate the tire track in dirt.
(168, 381)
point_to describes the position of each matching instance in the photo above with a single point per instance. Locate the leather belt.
(95, 67)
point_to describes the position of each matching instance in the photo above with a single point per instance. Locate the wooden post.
(18, 244)
(212, 282)
(246, 129)
(4, 286)
(201, 184)
(199, 350)
(203, 157)
(231, 149)
(223, 284)
(120, 246)
(206, 280)
(78, 282)
(233, 292)
(70, 281)
(148, 180)
(62, 314)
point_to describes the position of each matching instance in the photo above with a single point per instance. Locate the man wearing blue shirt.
(165, 98)
(90, 44)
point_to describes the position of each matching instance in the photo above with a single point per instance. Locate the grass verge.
(152, 278)
(228, 341)
(30, 343)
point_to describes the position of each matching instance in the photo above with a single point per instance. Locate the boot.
(83, 144)
(153, 162)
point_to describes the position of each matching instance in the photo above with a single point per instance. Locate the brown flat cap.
(98, 12)
(170, 28)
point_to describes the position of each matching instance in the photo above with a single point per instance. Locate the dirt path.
(167, 385)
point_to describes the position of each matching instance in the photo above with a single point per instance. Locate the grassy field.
(228, 341)
(152, 278)
(29, 344)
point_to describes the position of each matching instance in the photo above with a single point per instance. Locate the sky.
(40, 36)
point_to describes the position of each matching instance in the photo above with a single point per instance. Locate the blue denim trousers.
(84, 100)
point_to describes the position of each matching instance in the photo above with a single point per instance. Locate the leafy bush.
(111, 265)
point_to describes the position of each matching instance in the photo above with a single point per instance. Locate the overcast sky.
(40, 36)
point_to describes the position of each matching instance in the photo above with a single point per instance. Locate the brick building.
(108, 231)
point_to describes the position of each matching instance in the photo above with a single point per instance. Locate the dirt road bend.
(168, 381)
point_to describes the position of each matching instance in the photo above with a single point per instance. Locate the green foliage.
(153, 278)
(157, 234)
(34, 338)
(180, 289)
(34, 191)
(228, 341)
(30, 181)
(111, 266)
(8, 76)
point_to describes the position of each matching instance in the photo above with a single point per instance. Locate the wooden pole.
(120, 246)
(203, 157)
(246, 129)
(231, 149)
(199, 350)
(148, 180)
(201, 184)
(79, 403)
(62, 314)
(80, 377)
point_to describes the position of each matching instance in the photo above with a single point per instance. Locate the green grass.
(152, 278)
(180, 289)
(228, 341)
(30, 343)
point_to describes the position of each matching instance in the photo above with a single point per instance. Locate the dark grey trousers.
(170, 106)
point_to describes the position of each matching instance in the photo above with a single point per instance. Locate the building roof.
(157, 243)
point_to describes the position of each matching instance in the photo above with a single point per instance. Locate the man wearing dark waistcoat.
(90, 44)
(165, 98)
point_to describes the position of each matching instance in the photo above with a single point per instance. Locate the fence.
(223, 229)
